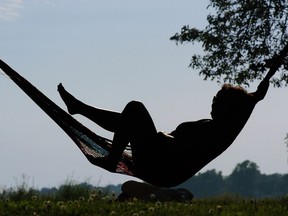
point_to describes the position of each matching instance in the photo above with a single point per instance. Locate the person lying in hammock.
(168, 159)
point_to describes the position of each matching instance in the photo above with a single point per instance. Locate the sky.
(108, 53)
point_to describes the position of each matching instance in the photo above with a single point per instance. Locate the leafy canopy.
(240, 41)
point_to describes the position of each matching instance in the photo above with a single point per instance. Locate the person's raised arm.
(261, 90)
(264, 84)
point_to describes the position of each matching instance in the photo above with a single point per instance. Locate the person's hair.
(231, 92)
(229, 101)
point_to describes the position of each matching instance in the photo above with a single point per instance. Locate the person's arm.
(277, 61)
(261, 90)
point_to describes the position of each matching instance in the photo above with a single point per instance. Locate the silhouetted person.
(168, 159)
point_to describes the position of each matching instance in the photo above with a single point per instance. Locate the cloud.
(10, 10)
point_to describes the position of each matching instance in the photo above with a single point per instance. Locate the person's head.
(230, 102)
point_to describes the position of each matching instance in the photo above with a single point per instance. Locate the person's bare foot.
(71, 102)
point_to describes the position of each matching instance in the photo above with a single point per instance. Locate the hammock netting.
(92, 145)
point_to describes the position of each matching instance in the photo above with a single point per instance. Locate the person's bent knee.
(135, 105)
(134, 108)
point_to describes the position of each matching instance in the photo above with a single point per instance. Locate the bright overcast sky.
(108, 53)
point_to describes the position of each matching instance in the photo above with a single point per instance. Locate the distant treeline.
(245, 180)
(70, 190)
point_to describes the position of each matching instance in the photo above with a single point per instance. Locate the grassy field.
(96, 203)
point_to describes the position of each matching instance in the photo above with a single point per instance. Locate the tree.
(243, 180)
(209, 183)
(241, 41)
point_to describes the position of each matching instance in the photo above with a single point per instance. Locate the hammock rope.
(92, 145)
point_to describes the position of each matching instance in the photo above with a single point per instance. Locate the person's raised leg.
(133, 125)
(109, 120)
(137, 128)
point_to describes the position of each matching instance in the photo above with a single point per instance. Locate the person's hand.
(164, 134)
(165, 138)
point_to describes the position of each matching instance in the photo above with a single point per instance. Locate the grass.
(93, 202)
(109, 206)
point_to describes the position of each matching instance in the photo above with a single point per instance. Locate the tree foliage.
(241, 40)
(245, 180)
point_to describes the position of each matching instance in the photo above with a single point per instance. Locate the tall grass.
(78, 199)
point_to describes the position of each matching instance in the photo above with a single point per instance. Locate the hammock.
(91, 145)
